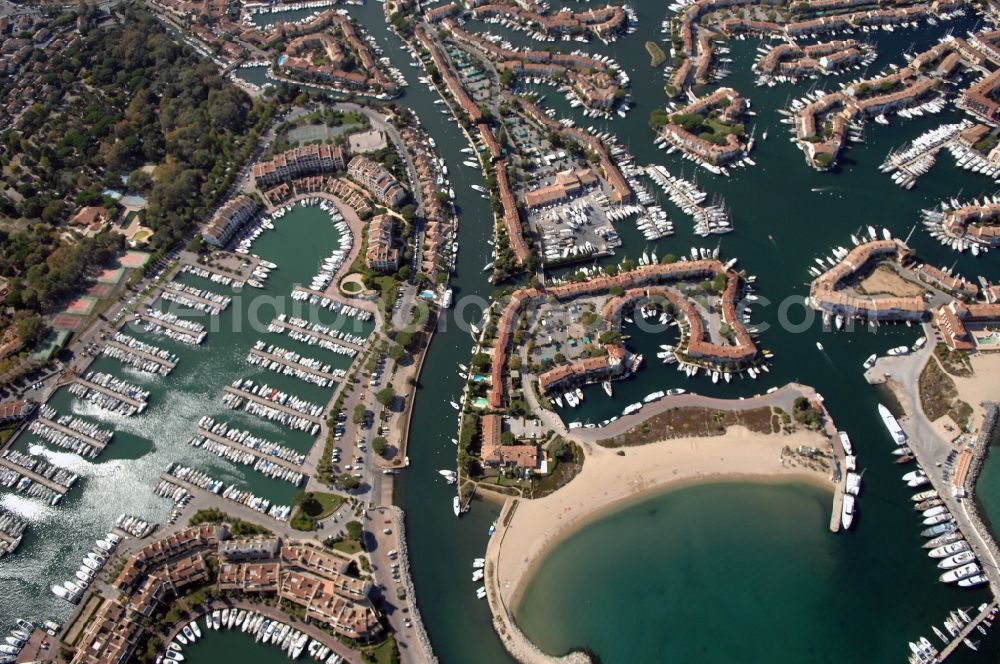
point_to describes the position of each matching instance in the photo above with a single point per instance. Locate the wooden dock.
(34, 477)
(966, 631)
(319, 335)
(284, 463)
(166, 364)
(93, 442)
(294, 365)
(272, 404)
(132, 401)
(7, 538)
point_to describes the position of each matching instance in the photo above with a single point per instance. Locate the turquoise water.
(723, 573)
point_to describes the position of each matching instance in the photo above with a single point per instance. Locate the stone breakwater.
(979, 452)
(411, 594)
(514, 640)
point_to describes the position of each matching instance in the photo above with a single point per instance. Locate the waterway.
(870, 587)
(858, 596)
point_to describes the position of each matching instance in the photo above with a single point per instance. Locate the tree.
(348, 482)
(397, 352)
(380, 445)
(354, 530)
(385, 396)
(308, 503)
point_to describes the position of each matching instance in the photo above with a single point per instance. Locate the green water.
(122, 477)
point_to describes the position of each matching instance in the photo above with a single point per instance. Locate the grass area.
(954, 362)
(692, 421)
(656, 55)
(386, 652)
(7, 432)
(314, 506)
(559, 476)
(939, 396)
(348, 546)
(237, 527)
(351, 287)
(716, 131)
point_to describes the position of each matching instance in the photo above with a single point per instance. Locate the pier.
(34, 477)
(72, 433)
(319, 335)
(124, 398)
(198, 299)
(165, 325)
(222, 440)
(966, 631)
(272, 404)
(166, 365)
(4, 537)
(294, 365)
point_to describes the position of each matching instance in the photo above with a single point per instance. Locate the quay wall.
(980, 451)
(411, 593)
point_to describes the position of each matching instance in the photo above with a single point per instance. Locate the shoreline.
(528, 530)
(625, 502)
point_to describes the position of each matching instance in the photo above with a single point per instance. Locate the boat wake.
(26, 508)
(66, 460)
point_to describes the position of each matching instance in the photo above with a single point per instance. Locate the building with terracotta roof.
(567, 185)
(299, 162)
(110, 637)
(525, 458)
(379, 182)
(829, 291)
(228, 219)
(381, 253)
(511, 215)
(969, 326)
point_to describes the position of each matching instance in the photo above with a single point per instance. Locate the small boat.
(456, 505)
(819, 345)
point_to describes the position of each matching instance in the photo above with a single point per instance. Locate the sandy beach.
(608, 481)
(982, 386)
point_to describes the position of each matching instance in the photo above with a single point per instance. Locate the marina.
(776, 236)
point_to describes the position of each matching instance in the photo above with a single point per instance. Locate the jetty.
(222, 440)
(323, 336)
(967, 631)
(298, 366)
(33, 476)
(165, 324)
(166, 366)
(291, 412)
(138, 404)
(72, 433)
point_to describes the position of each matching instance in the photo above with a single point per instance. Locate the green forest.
(118, 98)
